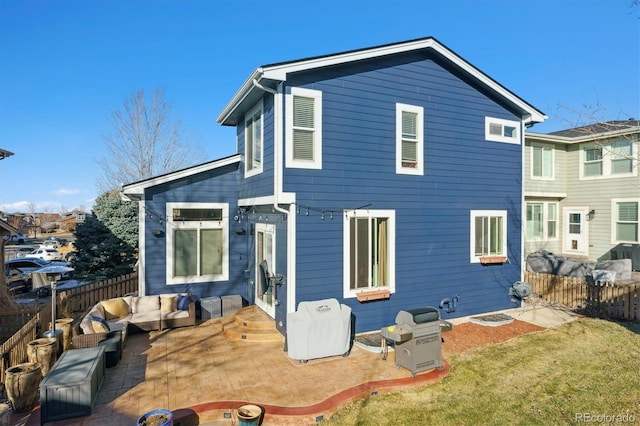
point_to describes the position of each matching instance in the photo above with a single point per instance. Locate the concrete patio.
(205, 373)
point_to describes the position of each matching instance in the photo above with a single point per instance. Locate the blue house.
(389, 178)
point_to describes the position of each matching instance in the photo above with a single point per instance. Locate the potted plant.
(156, 418)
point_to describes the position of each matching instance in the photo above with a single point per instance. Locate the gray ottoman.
(113, 350)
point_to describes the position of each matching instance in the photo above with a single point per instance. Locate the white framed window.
(626, 220)
(304, 128)
(542, 161)
(197, 242)
(608, 160)
(409, 139)
(499, 130)
(253, 141)
(488, 234)
(541, 220)
(369, 251)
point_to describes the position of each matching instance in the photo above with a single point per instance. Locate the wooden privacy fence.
(619, 301)
(14, 350)
(71, 303)
(75, 301)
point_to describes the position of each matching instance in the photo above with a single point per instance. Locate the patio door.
(265, 262)
(575, 234)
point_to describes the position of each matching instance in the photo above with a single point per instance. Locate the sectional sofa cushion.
(145, 304)
(115, 308)
(169, 303)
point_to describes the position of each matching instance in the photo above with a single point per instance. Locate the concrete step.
(252, 324)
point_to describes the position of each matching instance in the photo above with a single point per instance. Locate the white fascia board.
(541, 137)
(135, 190)
(239, 96)
(283, 198)
(545, 194)
(279, 72)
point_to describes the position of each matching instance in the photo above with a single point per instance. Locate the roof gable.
(135, 191)
(273, 74)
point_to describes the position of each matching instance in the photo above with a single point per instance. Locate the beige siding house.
(582, 189)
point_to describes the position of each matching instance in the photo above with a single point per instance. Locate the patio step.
(252, 324)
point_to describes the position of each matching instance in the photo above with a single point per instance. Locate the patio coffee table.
(71, 387)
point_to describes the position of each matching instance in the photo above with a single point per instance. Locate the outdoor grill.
(417, 339)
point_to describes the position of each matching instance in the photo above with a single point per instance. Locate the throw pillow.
(183, 302)
(115, 308)
(100, 325)
(169, 303)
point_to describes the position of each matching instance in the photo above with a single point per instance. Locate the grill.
(417, 339)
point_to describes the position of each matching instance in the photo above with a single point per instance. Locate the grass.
(589, 367)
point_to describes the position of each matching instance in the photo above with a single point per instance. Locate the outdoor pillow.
(169, 303)
(183, 302)
(100, 325)
(145, 304)
(115, 308)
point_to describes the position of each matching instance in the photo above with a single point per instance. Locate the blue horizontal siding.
(219, 186)
(463, 172)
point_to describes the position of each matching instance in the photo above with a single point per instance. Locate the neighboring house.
(389, 173)
(582, 189)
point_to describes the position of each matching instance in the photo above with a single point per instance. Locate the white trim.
(280, 72)
(545, 221)
(134, 190)
(419, 169)
(543, 194)
(222, 224)
(473, 214)
(607, 158)
(488, 121)
(614, 218)
(256, 170)
(584, 211)
(266, 228)
(142, 253)
(346, 238)
(542, 145)
(317, 121)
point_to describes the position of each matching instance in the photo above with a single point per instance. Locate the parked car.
(60, 241)
(22, 251)
(48, 253)
(18, 238)
(50, 244)
(17, 280)
(29, 265)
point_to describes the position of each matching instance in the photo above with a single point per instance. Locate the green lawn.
(568, 375)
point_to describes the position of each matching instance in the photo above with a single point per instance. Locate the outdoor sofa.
(131, 314)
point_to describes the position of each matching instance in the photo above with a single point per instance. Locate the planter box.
(493, 260)
(368, 296)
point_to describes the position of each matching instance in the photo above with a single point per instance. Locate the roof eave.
(135, 191)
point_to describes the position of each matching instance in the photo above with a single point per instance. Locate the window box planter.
(493, 260)
(368, 296)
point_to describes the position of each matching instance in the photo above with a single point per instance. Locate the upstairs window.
(488, 234)
(253, 137)
(542, 161)
(608, 160)
(304, 129)
(197, 243)
(409, 139)
(626, 222)
(499, 130)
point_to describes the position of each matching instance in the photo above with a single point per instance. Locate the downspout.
(277, 158)
(277, 145)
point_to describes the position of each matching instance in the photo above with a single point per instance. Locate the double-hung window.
(542, 221)
(488, 234)
(608, 160)
(409, 139)
(304, 128)
(253, 137)
(542, 161)
(499, 130)
(197, 242)
(369, 251)
(626, 221)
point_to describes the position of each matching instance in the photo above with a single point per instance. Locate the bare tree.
(32, 207)
(147, 140)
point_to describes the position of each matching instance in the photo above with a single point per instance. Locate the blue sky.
(66, 65)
